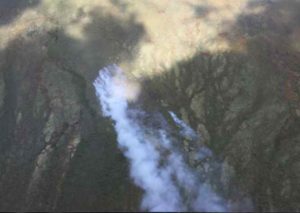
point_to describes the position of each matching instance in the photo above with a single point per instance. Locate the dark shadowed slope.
(49, 107)
(11, 9)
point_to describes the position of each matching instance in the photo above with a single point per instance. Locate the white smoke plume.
(155, 165)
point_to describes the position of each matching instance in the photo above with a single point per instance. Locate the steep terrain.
(245, 102)
(230, 70)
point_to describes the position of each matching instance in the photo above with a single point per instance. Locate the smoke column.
(155, 165)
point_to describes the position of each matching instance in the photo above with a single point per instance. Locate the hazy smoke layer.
(155, 165)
